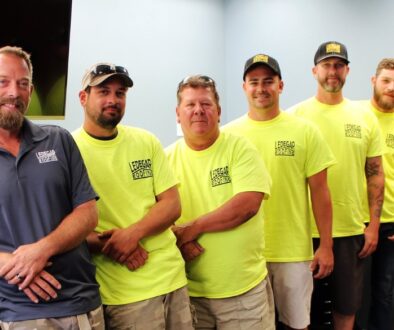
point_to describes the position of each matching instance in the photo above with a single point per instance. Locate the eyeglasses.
(101, 69)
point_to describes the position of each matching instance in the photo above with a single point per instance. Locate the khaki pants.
(253, 310)
(93, 320)
(171, 311)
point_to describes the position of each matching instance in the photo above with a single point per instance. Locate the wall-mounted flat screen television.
(42, 28)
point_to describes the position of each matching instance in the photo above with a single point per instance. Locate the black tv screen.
(42, 28)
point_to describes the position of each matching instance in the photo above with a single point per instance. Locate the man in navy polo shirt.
(47, 208)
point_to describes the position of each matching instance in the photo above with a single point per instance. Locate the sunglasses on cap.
(197, 80)
(189, 79)
(102, 69)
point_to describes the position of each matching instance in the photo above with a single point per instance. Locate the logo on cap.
(260, 58)
(333, 48)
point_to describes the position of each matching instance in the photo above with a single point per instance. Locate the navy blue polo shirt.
(38, 189)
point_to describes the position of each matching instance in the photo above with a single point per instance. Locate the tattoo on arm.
(371, 168)
(375, 185)
(375, 197)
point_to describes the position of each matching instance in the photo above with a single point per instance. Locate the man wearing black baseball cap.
(296, 157)
(262, 59)
(354, 137)
(331, 49)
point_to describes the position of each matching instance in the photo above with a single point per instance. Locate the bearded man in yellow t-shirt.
(139, 267)
(353, 135)
(382, 268)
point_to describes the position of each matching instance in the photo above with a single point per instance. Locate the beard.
(12, 120)
(105, 120)
(108, 122)
(332, 89)
(387, 105)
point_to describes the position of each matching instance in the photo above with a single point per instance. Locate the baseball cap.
(100, 72)
(262, 59)
(331, 49)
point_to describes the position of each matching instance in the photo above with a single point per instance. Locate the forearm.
(95, 243)
(322, 207)
(122, 242)
(231, 214)
(375, 188)
(323, 260)
(73, 229)
(160, 217)
(322, 211)
(30, 259)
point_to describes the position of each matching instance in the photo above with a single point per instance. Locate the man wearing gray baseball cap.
(139, 267)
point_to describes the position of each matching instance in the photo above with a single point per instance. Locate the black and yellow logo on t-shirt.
(141, 169)
(220, 176)
(390, 140)
(353, 131)
(284, 148)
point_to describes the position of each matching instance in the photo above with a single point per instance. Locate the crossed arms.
(25, 266)
(237, 210)
(122, 244)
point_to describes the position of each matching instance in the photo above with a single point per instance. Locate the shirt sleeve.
(375, 146)
(319, 154)
(81, 189)
(249, 172)
(164, 177)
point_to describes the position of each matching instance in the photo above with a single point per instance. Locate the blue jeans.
(382, 281)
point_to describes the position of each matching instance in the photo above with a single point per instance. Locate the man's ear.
(82, 97)
(281, 85)
(373, 80)
(177, 115)
(314, 70)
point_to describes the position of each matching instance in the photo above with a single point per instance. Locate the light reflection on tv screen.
(42, 28)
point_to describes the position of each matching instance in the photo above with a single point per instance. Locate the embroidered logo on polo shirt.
(46, 156)
(284, 148)
(353, 131)
(220, 176)
(390, 140)
(141, 169)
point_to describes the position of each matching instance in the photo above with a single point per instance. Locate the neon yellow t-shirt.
(293, 150)
(386, 123)
(353, 135)
(127, 173)
(233, 261)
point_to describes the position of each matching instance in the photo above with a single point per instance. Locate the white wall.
(158, 41)
(292, 30)
(162, 41)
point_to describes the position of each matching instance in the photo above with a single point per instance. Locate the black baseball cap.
(331, 49)
(262, 59)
